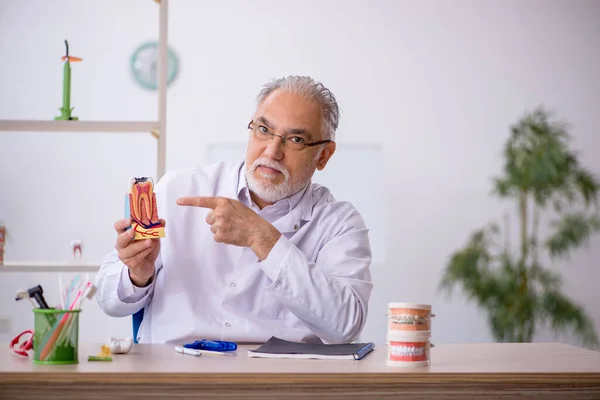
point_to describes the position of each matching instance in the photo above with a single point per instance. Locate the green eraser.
(97, 358)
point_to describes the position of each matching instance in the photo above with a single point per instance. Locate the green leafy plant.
(518, 291)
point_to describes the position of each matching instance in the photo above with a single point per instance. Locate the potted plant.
(551, 189)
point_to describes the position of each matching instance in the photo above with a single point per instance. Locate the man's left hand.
(232, 222)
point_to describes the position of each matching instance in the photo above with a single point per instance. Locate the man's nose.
(274, 148)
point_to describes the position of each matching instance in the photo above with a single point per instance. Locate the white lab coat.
(314, 286)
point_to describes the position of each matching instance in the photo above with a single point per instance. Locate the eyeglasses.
(294, 142)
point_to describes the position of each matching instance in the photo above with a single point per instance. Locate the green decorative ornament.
(144, 65)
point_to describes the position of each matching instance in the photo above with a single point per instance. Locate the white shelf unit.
(35, 266)
(77, 126)
(157, 128)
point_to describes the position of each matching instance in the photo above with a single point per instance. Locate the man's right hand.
(138, 255)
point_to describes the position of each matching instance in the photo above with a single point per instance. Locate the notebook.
(279, 348)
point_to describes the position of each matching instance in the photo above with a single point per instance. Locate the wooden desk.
(469, 371)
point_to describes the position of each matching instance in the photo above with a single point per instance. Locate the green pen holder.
(56, 336)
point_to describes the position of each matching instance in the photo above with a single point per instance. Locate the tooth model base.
(147, 233)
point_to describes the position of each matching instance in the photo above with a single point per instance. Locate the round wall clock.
(144, 65)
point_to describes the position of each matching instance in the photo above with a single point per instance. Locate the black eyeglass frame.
(284, 138)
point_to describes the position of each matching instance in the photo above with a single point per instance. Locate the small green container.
(56, 336)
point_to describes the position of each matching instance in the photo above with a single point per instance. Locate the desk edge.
(366, 378)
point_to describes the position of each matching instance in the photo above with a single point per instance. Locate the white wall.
(436, 84)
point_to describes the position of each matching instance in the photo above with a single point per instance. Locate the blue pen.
(212, 345)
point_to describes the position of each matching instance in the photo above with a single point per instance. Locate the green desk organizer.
(56, 336)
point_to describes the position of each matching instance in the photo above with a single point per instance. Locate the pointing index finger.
(199, 201)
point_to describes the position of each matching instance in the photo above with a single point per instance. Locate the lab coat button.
(227, 324)
(232, 284)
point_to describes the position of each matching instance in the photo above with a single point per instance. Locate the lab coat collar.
(299, 206)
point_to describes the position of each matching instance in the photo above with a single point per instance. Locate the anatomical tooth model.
(77, 249)
(140, 207)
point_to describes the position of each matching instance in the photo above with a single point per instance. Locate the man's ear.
(326, 154)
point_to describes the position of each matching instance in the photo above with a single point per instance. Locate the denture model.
(409, 317)
(409, 349)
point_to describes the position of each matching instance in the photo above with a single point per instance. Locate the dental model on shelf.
(77, 249)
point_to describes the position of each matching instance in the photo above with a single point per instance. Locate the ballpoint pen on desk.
(194, 352)
(218, 353)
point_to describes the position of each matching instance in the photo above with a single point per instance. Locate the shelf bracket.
(155, 132)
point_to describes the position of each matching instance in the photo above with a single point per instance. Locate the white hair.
(307, 87)
(271, 192)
